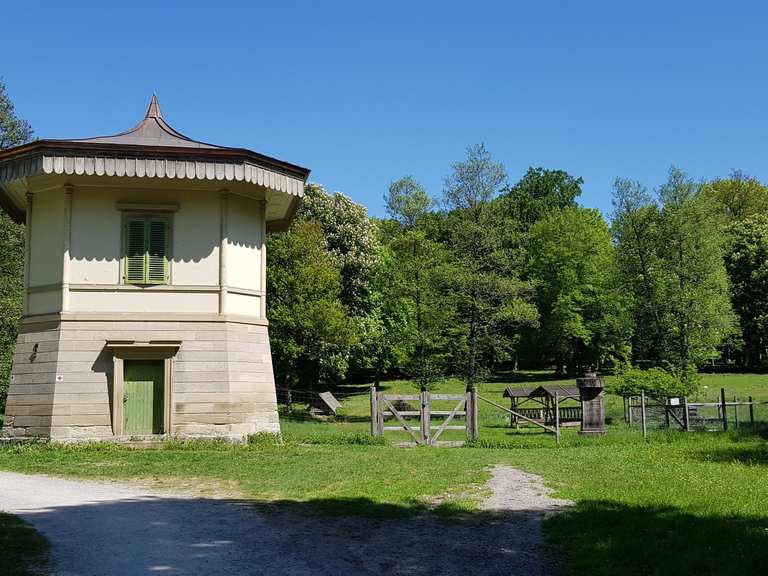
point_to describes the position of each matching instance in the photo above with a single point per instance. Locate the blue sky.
(363, 92)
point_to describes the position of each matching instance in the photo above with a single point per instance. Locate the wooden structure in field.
(538, 404)
(324, 404)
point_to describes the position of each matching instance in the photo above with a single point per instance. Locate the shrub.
(656, 382)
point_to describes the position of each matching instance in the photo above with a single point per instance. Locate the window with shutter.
(146, 250)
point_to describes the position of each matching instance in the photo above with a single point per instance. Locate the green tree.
(694, 283)
(747, 265)
(490, 300)
(310, 329)
(416, 280)
(539, 192)
(352, 242)
(13, 131)
(738, 196)
(635, 229)
(407, 202)
(584, 317)
(671, 257)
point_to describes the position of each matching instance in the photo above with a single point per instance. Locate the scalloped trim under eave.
(150, 168)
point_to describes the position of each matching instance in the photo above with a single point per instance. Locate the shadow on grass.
(607, 538)
(750, 431)
(750, 455)
(23, 551)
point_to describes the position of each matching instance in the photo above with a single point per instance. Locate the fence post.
(557, 417)
(686, 416)
(751, 411)
(471, 408)
(723, 409)
(642, 414)
(629, 404)
(736, 411)
(624, 405)
(425, 417)
(666, 412)
(374, 412)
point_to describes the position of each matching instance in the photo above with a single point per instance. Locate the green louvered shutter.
(157, 251)
(134, 250)
(146, 250)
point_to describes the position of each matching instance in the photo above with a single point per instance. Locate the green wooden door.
(143, 397)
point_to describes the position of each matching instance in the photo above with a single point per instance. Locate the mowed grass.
(23, 551)
(678, 504)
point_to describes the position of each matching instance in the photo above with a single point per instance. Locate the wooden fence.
(393, 412)
(679, 412)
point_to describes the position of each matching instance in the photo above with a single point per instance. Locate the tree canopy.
(13, 131)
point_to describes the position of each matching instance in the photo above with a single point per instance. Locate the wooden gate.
(418, 423)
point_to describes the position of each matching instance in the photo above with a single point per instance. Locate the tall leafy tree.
(490, 300)
(635, 227)
(583, 313)
(415, 279)
(351, 239)
(539, 192)
(310, 329)
(747, 265)
(13, 131)
(738, 196)
(694, 283)
(671, 256)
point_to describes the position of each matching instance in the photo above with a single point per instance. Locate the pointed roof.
(153, 130)
(151, 149)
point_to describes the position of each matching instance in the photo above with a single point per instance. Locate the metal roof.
(153, 137)
(540, 391)
(512, 392)
(552, 389)
(153, 130)
(151, 149)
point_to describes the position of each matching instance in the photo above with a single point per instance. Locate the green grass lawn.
(678, 504)
(23, 551)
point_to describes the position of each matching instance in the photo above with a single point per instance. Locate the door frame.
(129, 350)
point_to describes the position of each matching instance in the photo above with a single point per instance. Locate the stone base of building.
(66, 381)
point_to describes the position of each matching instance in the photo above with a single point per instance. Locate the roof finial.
(154, 108)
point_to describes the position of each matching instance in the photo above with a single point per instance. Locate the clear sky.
(364, 92)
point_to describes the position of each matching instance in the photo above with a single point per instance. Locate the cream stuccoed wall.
(45, 253)
(244, 255)
(95, 240)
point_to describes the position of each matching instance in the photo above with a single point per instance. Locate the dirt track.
(107, 529)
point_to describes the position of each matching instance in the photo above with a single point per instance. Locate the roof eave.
(213, 154)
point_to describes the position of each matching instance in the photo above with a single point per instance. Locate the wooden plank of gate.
(444, 425)
(400, 418)
(447, 396)
(401, 397)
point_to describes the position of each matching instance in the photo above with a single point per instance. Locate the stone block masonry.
(221, 381)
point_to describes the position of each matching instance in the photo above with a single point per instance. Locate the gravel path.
(106, 529)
